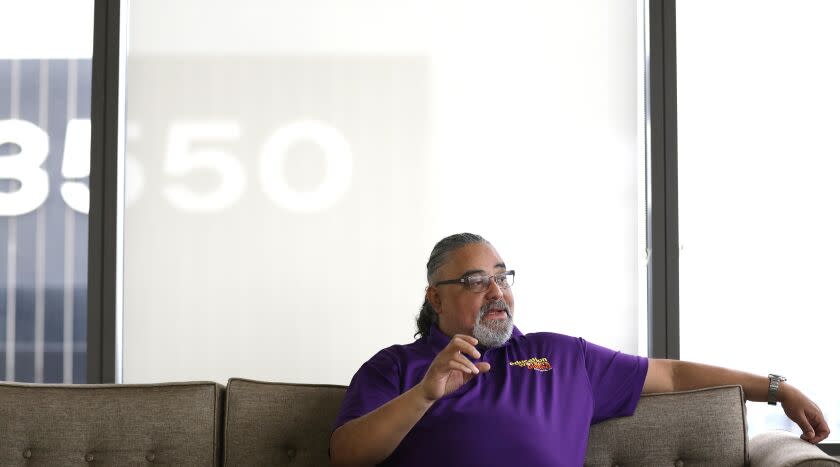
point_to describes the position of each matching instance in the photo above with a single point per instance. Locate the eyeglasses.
(475, 283)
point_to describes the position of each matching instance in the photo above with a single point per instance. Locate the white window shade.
(758, 165)
(290, 166)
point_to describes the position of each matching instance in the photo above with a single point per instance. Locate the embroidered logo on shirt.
(539, 364)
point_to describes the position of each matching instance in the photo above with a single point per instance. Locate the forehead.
(477, 257)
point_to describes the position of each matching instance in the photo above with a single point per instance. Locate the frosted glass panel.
(290, 165)
(758, 166)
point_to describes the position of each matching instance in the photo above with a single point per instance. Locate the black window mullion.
(102, 243)
(663, 237)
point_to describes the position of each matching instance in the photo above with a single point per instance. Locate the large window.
(289, 166)
(759, 161)
(45, 88)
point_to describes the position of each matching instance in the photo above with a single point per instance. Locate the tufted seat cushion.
(172, 423)
(691, 428)
(279, 423)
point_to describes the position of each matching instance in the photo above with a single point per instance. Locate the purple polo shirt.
(518, 413)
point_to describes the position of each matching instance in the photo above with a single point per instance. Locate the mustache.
(499, 304)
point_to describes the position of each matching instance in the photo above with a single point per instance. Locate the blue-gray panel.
(55, 213)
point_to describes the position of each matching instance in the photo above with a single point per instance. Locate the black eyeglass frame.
(465, 280)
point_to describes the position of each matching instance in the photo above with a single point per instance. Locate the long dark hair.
(440, 254)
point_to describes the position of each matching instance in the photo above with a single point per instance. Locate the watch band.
(773, 392)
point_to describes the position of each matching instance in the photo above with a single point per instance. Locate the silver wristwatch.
(775, 380)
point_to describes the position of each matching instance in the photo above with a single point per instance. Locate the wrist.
(418, 393)
(786, 391)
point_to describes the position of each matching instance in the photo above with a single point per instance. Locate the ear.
(433, 297)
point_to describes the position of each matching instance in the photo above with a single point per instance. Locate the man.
(473, 390)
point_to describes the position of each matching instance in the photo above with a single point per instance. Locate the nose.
(494, 292)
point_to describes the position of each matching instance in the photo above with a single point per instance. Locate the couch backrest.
(290, 424)
(175, 424)
(279, 423)
(701, 427)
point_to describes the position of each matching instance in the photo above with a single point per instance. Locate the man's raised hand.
(451, 369)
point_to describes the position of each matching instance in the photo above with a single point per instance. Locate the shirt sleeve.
(616, 380)
(376, 383)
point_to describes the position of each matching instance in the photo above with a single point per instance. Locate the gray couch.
(258, 423)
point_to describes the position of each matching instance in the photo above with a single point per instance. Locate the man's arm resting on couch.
(678, 375)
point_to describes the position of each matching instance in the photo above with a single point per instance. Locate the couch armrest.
(784, 449)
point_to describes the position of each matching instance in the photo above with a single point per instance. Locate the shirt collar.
(438, 340)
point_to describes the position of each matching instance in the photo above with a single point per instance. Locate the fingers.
(805, 425)
(821, 429)
(461, 363)
(808, 416)
(822, 433)
(452, 367)
(456, 365)
(465, 344)
(460, 358)
(454, 356)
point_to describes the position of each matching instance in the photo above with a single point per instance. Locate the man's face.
(457, 307)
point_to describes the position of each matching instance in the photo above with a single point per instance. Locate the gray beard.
(493, 333)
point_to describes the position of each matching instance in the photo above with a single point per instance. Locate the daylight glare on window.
(759, 160)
